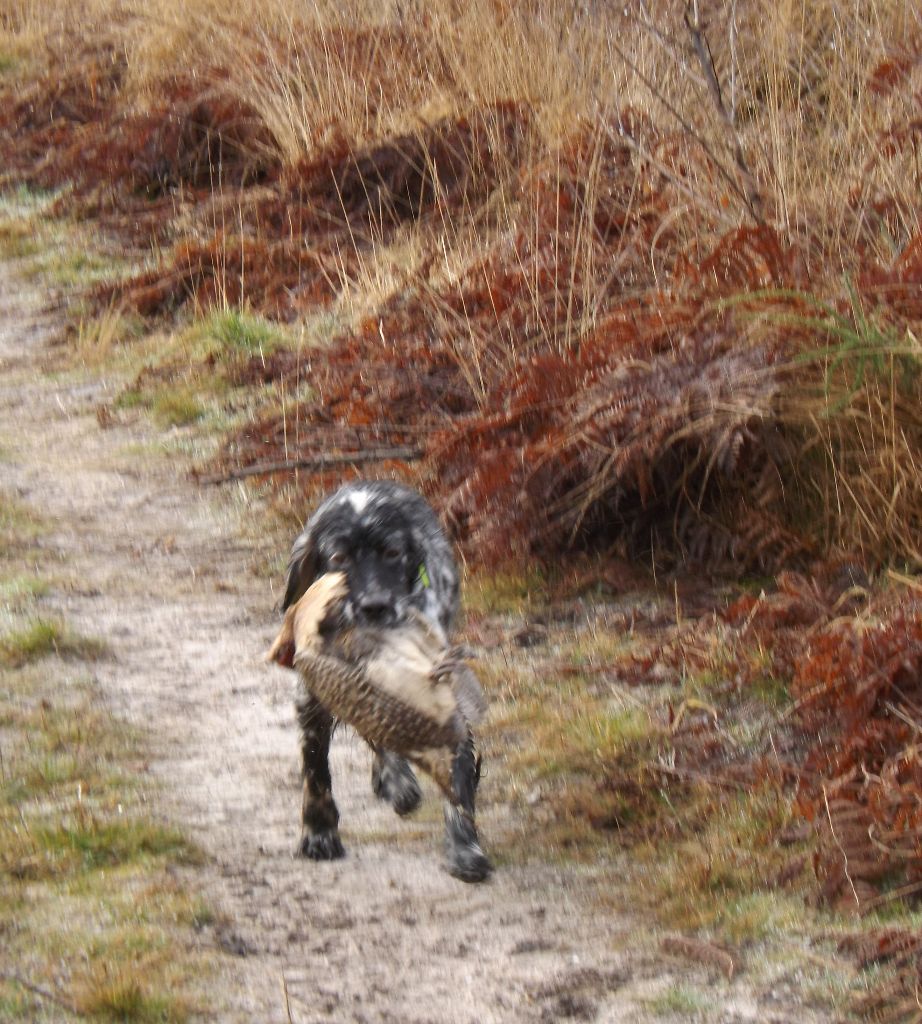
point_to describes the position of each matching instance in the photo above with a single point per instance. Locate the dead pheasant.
(403, 689)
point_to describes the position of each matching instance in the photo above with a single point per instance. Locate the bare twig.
(706, 60)
(314, 462)
(895, 851)
(689, 129)
(691, 704)
(707, 778)
(896, 894)
(902, 716)
(906, 581)
(838, 843)
(287, 1000)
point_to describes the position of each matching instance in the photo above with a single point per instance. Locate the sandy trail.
(158, 569)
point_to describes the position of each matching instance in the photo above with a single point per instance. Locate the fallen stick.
(42, 993)
(314, 462)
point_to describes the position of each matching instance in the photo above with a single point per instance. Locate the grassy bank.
(96, 924)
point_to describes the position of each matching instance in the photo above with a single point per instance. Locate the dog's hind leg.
(464, 857)
(319, 815)
(394, 781)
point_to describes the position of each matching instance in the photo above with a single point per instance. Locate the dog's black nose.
(377, 613)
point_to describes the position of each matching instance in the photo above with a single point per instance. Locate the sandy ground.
(160, 570)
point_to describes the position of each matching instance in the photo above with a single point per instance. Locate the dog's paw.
(468, 863)
(464, 858)
(394, 781)
(321, 846)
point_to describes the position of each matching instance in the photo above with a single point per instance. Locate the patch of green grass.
(503, 592)
(200, 375)
(90, 842)
(21, 588)
(771, 691)
(197, 912)
(177, 408)
(595, 765)
(73, 268)
(17, 242)
(131, 398)
(240, 331)
(720, 871)
(8, 62)
(15, 1003)
(35, 641)
(53, 248)
(581, 760)
(77, 726)
(41, 638)
(682, 1001)
(607, 734)
(45, 773)
(25, 199)
(86, 873)
(76, 836)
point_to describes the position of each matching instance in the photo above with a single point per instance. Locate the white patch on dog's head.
(358, 500)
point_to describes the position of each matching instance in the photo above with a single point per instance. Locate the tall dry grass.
(798, 92)
(800, 115)
(861, 461)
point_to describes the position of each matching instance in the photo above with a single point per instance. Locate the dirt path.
(158, 569)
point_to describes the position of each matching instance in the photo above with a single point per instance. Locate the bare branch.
(42, 993)
(706, 60)
(754, 211)
(314, 462)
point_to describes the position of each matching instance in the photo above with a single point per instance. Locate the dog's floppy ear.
(435, 577)
(303, 567)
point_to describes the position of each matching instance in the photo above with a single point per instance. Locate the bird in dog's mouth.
(401, 687)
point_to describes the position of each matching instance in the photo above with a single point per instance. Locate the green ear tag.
(424, 577)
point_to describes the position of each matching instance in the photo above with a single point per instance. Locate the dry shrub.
(554, 402)
(866, 681)
(854, 671)
(860, 413)
(189, 138)
(293, 247)
(582, 191)
(896, 999)
(852, 660)
(219, 272)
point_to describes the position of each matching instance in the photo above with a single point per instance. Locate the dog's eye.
(337, 560)
(392, 554)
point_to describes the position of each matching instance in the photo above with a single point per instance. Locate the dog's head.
(371, 533)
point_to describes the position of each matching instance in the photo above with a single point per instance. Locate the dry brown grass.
(457, 160)
(862, 460)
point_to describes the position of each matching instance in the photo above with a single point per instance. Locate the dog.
(388, 542)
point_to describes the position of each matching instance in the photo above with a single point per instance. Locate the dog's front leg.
(394, 781)
(464, 856)
(319, 815)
